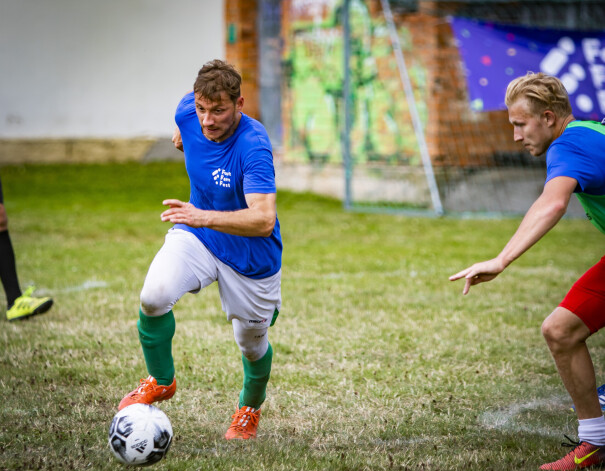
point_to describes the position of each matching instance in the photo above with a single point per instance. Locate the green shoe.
(26, 306)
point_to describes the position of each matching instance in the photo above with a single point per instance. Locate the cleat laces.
(244, 420)
(145, 385)
(570, 443)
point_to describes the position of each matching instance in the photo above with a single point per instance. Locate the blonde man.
(542, 119)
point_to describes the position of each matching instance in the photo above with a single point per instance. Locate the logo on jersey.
(222, 177)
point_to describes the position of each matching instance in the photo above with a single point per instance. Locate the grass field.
(379, 363)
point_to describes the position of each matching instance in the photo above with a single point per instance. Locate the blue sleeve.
(259, 173)
(565, 159)
(185, 109)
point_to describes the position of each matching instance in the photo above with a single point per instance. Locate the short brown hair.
(543, 92)
(216, 77)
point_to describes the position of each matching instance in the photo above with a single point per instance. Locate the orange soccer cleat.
(583, 455)
(149, 391)
(244, 425)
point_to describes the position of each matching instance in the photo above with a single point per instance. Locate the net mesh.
(477, 166)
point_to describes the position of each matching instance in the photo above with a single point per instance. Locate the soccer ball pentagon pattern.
(140, 435)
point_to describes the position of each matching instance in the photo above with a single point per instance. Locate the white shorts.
(184, 264)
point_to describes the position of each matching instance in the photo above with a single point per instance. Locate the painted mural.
(382, 131)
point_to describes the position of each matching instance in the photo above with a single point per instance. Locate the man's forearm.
(243, 222)
(543, 215)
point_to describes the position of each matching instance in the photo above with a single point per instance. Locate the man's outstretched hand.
(479, 273)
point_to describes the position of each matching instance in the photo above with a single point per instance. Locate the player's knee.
(548, 330)
(557, 334)
(255, 351)
(155, 302)
(551, 330)
(253, 343)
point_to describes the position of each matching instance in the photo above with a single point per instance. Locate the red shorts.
(586, 298)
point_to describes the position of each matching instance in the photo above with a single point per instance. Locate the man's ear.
(549, 117)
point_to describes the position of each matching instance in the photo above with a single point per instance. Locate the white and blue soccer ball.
(140, 435)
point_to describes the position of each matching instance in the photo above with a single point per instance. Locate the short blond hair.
(543, 92)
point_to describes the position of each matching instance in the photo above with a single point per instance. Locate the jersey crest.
(222, 177)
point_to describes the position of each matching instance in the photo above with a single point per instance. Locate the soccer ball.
(140, 435)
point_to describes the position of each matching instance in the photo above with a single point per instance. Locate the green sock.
(256, 377)
(155, 334)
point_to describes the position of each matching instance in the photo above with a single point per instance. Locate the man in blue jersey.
(541, 115)
(228, 232)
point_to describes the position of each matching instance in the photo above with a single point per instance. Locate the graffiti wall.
(313, 93)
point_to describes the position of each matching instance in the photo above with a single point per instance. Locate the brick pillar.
(242, 49)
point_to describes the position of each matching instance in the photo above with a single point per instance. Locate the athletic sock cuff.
(592, 431)
(156, 329)
(262, 363)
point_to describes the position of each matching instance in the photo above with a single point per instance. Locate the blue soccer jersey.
(220, 175)
(579, 153)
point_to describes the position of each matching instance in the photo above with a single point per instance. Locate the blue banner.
(494, 54)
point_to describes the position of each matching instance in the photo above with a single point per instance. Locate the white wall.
(101, 68)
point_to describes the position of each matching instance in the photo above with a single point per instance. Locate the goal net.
(438, 146)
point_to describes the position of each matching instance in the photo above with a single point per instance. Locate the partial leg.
(257, 356)
(566, 330)
(566, 335)
(170, 276)
(19, 305)
(250, 306)
(8, 269)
